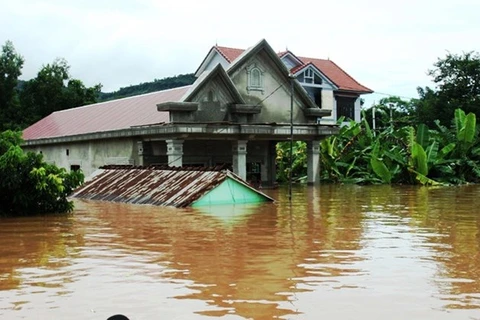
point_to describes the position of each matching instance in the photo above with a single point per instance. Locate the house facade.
(242, 104)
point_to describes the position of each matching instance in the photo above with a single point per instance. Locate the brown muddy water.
(338, 252)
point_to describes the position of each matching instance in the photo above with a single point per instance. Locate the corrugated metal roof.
(105, 116)
(162, 186)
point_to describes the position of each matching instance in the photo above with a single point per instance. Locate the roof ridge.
(121, 99)
(216, 168)
(219, 50)
(361, 85)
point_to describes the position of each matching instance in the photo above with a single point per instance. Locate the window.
(346, 107)
(254, 78)
(74, 167)
(308, 76)
(315, 94)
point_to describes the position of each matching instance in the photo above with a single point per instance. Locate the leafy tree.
(53, 89)
(11, 64)
(391, 111)
(28, 185)
(299, 161)
(457, 79)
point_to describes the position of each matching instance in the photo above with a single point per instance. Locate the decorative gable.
(254, 78)
(309, 75)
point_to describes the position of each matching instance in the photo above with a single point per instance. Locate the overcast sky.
(387, 46)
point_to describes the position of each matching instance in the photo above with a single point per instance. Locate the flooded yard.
(336, 252)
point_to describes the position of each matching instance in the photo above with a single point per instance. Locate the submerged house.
(166, 186)
(242, 104)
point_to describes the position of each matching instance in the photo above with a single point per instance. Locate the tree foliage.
(28, 185)
(457, 80)
(391, 111)
(53, 89)
(404, 154)
(10, 69)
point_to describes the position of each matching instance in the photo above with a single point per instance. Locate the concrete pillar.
(272, 163)
(358, 109)
(140, 153)
(175, 153)
(313, 162)
(239, 161)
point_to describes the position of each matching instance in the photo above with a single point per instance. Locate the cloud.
(386, 46)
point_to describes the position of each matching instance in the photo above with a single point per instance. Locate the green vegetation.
(22, 103)
(405, 155)
(156, 85)
(28, 185)
(429, 140)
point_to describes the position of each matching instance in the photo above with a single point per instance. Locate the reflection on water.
(337, 252)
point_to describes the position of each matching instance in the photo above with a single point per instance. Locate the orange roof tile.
(229, 53)
(336, 74)
(105, 116)
(330, 69)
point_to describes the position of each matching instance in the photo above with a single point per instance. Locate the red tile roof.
(336, 74)
(329, 68)
(106, 116)
(229, 53)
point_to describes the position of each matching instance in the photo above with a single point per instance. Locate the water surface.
(337, 252)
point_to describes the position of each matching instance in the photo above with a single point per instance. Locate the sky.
(388, 46)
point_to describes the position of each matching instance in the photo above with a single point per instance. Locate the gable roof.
(162, 186)
(300, 68)
(263, 45)
(337, 75)
(105, 116)
(229, 53)
(329, 68)
(205, 77)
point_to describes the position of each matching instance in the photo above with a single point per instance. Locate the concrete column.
(175, 153)
(140, 153)
(358, 109)
(313, 162)
(239, 161)
(272, 163)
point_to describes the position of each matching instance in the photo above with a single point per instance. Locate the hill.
(146, 87)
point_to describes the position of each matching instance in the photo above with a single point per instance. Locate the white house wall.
(89, 155)
(328, 103)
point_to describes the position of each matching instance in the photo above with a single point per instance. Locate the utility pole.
(292, 79)
(373, 119)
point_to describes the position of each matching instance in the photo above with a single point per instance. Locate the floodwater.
(338, 252)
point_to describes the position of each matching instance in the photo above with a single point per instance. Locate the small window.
(74, 167)
(308, 76)
(67, 152)
(254, 78)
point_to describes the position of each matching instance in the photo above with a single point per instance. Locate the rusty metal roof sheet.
(105, 116)
(163, 186)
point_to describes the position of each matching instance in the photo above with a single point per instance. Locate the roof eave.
(220, 72)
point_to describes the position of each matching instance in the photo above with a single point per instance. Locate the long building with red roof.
(242, 103)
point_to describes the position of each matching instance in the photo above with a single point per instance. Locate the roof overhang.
(202, 131)
(178, 106)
